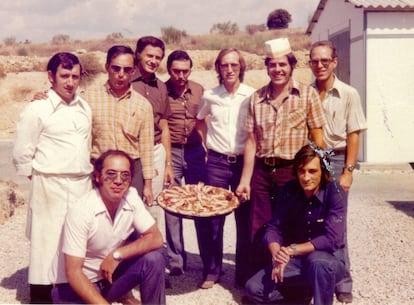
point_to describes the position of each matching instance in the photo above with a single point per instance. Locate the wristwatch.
(116, 256)
(350, 168)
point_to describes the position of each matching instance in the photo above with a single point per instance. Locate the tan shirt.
(343, 114)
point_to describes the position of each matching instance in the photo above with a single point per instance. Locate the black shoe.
(245, 300)
(344, 297)
(175, 271)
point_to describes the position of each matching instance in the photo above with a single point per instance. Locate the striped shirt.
(125, 123)
(282, 129)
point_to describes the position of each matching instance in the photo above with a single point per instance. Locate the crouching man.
(305, 236)
(99, 264)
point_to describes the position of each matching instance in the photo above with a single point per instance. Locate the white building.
(375, 42)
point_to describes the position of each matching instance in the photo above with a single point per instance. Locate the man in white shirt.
(224, 108)
(52, 148)
(101, 264)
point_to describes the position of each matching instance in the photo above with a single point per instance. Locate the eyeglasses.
(112, 175)
(324, 61)
(117, 69)
(234, 66)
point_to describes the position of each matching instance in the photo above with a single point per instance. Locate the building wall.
(390, 87)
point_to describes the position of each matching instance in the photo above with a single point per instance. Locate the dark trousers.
(308, 276)
(147, 271)
(40, 294)
(265, 186)
(221, 172)
(188, 165)
(345, 285)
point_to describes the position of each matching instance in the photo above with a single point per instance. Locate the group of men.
(88, 245)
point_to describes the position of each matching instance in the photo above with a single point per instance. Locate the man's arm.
(149, 240)
(80, 283)
(243, 190)
(316, 135)
(352, 147)
(166, 142)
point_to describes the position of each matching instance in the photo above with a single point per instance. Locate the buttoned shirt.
(53, 137)
(319, 219)
(90, 233)
(155, 91)
(281, 129)
(124, 123)
(226, 117)
(343, 114)
(184, 110)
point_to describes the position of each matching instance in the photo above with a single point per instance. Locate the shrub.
(279, 19)
(253, 28)
(92, 67)
(22, 52)
(60, 39)
(226, 28)
(10, 41)
(172, 35)
(114, 37)
(2, 72)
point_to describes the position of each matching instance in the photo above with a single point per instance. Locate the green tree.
(279, 19)
(226, 28)
(172, 35)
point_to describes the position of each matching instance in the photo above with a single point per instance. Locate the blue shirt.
(319, 219)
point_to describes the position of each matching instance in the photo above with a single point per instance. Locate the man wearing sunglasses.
(101, 266)
(344, 122)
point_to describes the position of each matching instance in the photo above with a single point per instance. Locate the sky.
(40, 20)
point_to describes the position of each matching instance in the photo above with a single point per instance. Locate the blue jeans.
(188, 164)
(308, 276)
(147, 271)
(221, 172)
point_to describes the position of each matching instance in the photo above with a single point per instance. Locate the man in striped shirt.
(282, 116)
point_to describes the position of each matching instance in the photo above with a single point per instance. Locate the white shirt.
(90, 233)
(54, 137)
(227, 114)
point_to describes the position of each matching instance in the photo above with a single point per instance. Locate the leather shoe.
(207, 284)
(175, 271)
(344, 297)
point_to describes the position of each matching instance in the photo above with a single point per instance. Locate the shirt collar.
(266, 93)
(101, 208)
(109, 90)
(57, 100)
(171, 91)
(152, 81)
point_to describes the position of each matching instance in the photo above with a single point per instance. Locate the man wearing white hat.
(282, 116)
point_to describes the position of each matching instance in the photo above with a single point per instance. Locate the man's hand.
(168, 176)
(108, 267)
(243, 192)
(147, 194)
(277, 272)
(279, 260)
(345, 181)
(40, 96)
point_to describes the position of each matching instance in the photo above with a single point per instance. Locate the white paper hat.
(277, 47)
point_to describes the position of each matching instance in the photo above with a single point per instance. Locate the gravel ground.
(381, 239)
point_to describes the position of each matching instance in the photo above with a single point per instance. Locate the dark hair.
(303, 157)
(220, 56)
(178, 55)
(98, 164)
(115, 51)
(149, 40)
(66, 59)
(291, 60)
(324, 43)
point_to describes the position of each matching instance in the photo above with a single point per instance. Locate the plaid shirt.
(125, 123)
(282, 129)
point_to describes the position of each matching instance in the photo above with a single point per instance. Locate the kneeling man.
(305, 236)
(100, 265)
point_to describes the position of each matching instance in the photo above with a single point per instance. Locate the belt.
(340, 151)
(228, 158)
(275, 162)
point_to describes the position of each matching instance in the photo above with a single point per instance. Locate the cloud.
(39, 20)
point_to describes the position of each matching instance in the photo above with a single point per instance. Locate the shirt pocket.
(297, 119)
(132, 126)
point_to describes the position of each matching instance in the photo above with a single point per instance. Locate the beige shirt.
(343, 114)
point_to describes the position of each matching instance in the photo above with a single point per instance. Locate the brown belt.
(275, 162)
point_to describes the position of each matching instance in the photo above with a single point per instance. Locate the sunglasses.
(117, 69)
(112, 175)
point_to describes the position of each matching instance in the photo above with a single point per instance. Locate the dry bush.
(92, 66)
